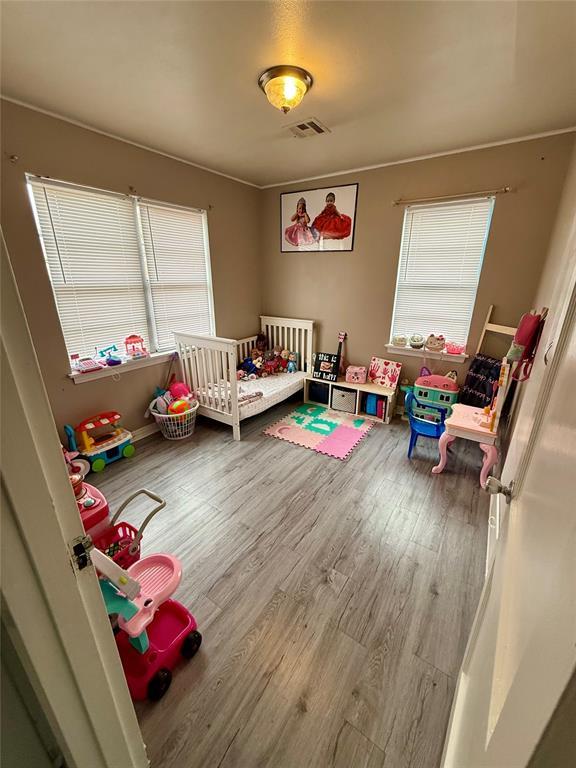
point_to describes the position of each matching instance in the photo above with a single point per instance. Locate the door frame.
(53, 612)
(564, 329)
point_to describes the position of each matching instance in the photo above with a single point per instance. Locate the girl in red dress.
(331, 224)
(300, 233)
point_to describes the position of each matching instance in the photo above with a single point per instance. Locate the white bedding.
(274, 390)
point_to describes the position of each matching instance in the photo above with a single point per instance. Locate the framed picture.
(318, 219)
(384, 372)
(326, 366)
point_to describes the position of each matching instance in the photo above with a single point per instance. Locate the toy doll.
(330, 223)
(284, 360)
(249, 367)
(270, 364)
(299, 233)
(291, 367)
(261, 343)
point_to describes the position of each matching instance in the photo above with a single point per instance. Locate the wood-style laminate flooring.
(335, 598)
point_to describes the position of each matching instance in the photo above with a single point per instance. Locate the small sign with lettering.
(326, 366)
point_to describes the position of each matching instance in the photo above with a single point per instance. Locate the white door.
(54, 614)
(522, 650)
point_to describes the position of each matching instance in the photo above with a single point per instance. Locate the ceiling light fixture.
(285, 86)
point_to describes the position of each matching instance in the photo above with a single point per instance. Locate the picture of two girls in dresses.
(329, 224)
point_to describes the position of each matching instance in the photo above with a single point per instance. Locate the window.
(441, 257)
(121, 265)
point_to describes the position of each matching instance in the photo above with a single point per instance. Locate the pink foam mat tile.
(342, 441)
(303, 427)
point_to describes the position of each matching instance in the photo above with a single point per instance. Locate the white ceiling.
(393, 80)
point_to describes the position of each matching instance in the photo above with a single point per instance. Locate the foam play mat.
(332, 433)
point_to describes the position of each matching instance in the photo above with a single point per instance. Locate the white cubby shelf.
(388, 394)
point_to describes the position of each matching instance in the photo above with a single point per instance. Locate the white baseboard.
(142, 432)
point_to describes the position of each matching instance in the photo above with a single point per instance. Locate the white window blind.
(120, 266)
(176, 243)
(439, 268)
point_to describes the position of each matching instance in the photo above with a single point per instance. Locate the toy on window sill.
(85, 364)
(452, 348)
(110, 355)
(435, 343)
(416, 341)
(399, 340)
(292, 366)
(135, 348)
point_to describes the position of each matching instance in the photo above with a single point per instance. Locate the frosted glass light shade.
(285, 86)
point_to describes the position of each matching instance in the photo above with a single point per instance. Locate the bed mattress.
(274, 390)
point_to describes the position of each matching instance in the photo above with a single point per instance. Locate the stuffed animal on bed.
(261, 344)
(292, 366)
(283, 362)
(270, 365)
(249, 367)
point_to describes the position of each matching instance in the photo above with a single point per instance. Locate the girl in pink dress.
(331, 224)
(300, 233)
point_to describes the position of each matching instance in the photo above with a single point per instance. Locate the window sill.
(116, 370)
(425, 353)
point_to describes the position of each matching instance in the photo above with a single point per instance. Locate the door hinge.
(493, 485)
(80, 552)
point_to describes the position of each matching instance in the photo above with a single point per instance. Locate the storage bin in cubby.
(344, 399)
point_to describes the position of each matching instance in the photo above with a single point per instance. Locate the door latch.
(493, 486)
(80, 548)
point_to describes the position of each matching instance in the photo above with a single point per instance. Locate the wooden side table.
(465, 422)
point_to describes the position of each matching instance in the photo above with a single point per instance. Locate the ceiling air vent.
(308, 127)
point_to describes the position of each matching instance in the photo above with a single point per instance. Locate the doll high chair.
(154, 630)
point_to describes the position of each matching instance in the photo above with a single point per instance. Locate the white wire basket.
(177, 426)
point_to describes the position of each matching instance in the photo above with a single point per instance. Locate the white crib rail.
(209, 363)
(244, 347)
(293, 335)
(209, 369)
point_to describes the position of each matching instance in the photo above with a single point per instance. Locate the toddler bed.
(209, 366)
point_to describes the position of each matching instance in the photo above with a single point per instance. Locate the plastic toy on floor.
(100, 440)
(156, 632)
(421, 426)
(118, 539)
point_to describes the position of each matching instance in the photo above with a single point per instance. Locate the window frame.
(456, 201)
(146, 284)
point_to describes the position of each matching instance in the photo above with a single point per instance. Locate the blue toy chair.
(419, 426)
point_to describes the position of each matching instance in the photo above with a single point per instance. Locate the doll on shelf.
(330, 223)
(299, 233)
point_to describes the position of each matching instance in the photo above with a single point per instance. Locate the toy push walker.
(155, 631)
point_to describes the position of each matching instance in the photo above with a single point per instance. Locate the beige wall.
(51, 147)
(554, 291)
(349, 291)
(355, 291)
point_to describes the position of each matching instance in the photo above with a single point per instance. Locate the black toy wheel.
(159, 684)
(191, 644)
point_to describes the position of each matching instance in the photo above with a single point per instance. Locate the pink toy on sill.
(452, 348)
(135, 348)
